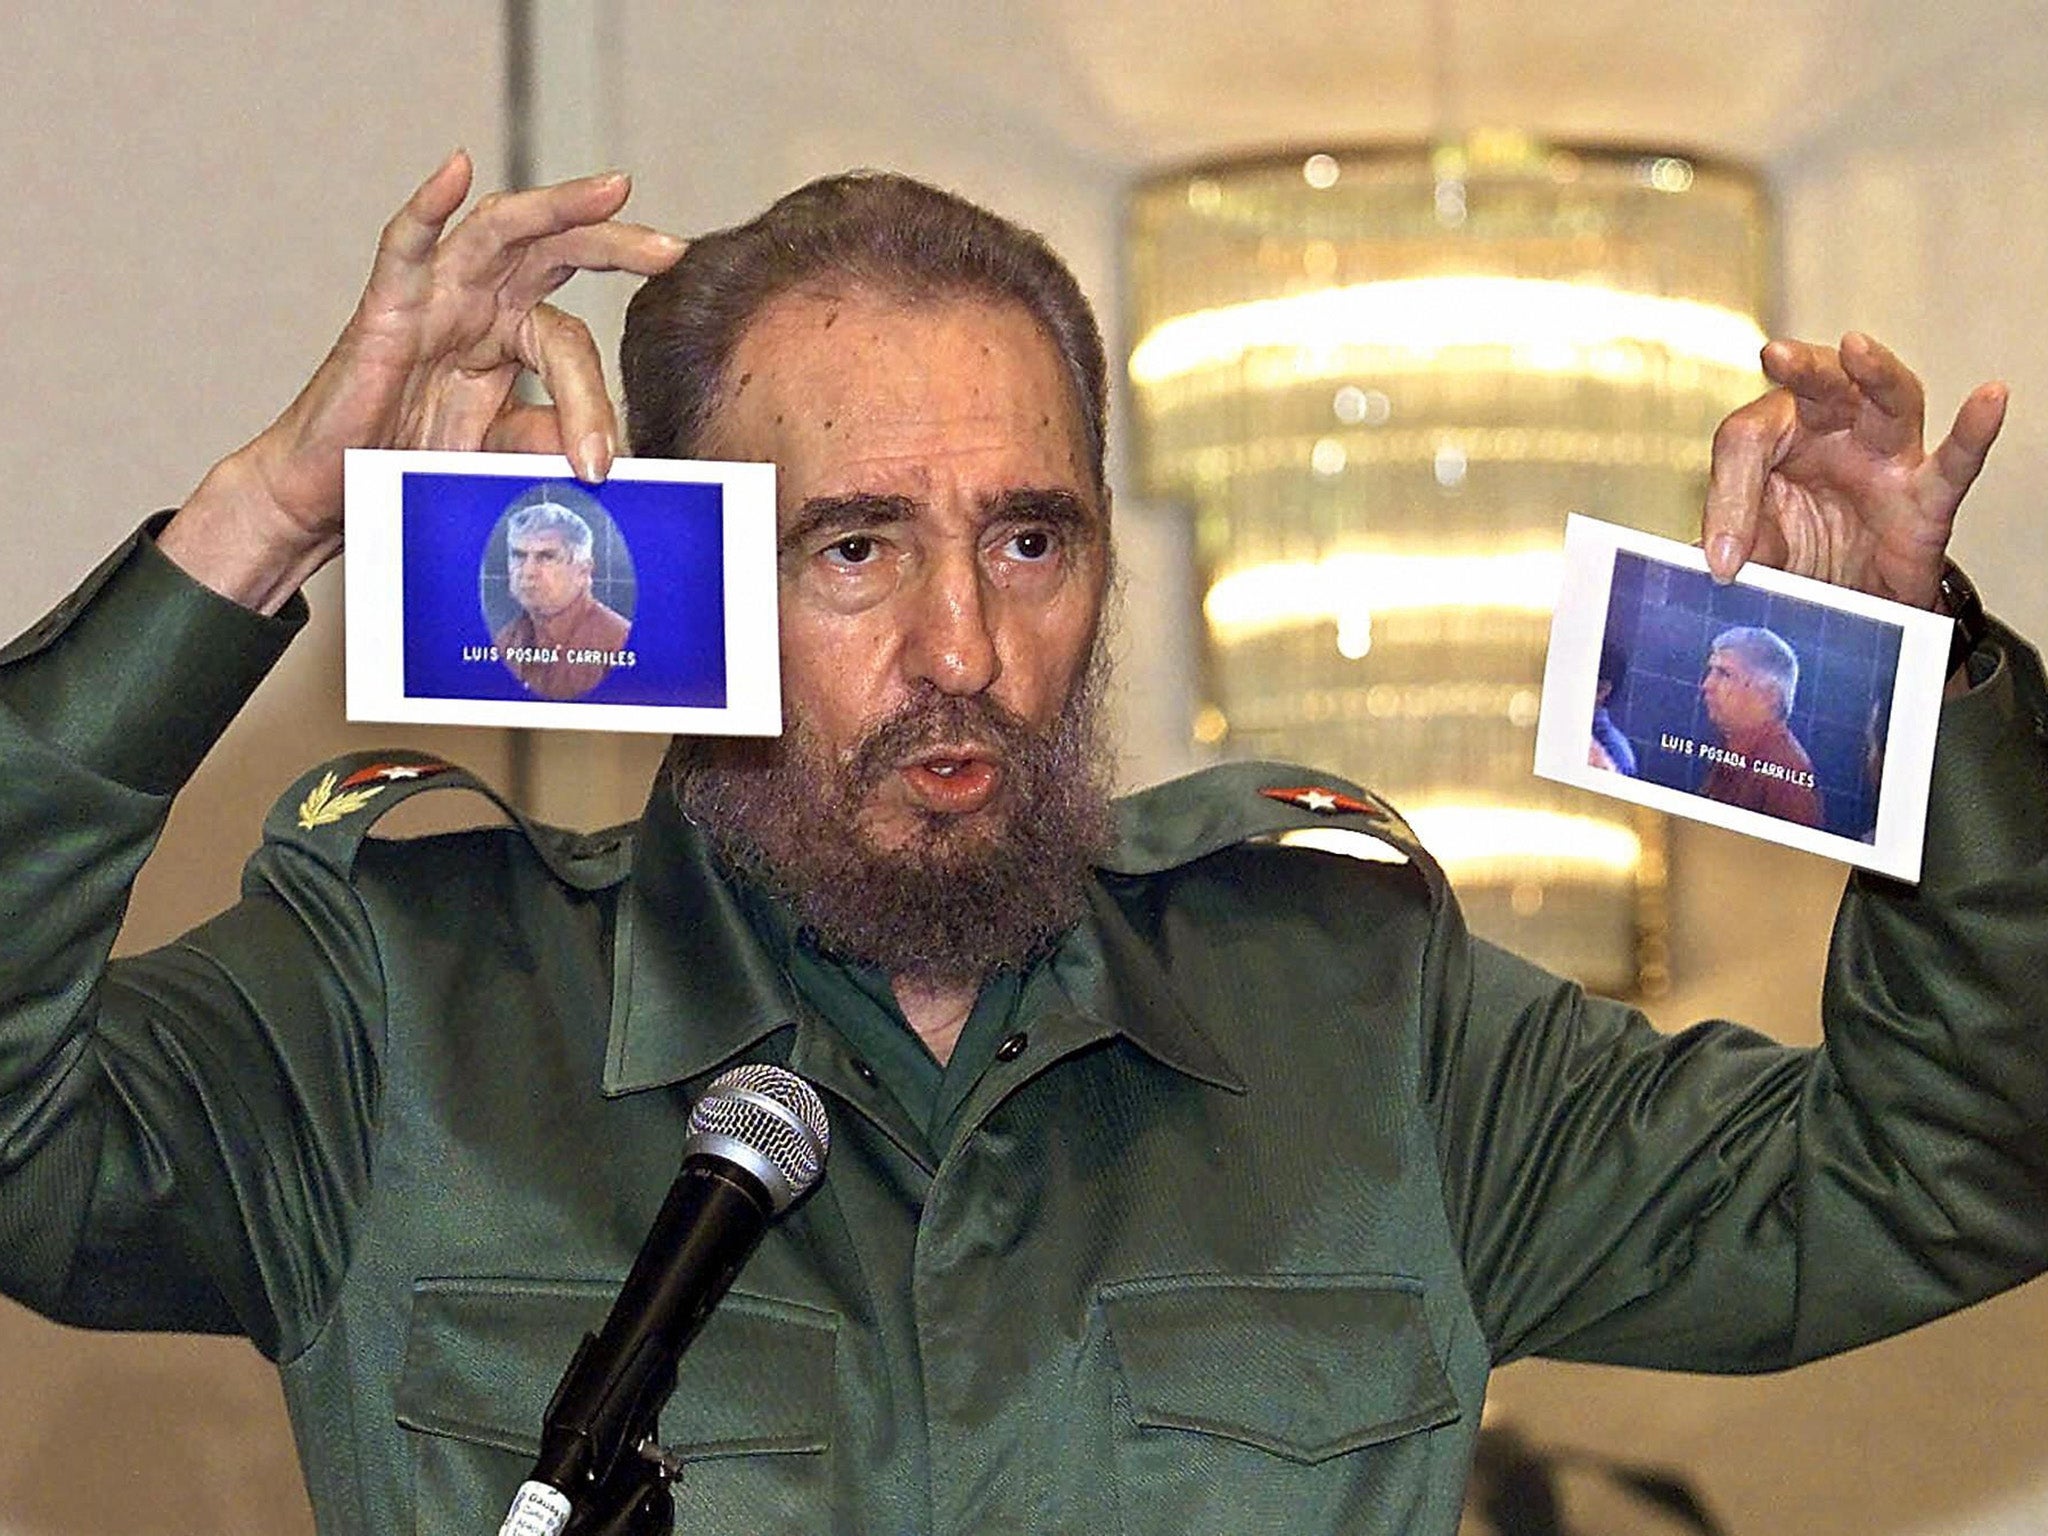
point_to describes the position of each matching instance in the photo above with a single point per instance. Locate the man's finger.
(525, 429)
(504, 220)
(558, 346)
(1745, 446)
(409, 238)
(1826, 397)
(1961, 454)
(613, 246)
(1894, 413)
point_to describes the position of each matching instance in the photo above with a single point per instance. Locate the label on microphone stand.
(537, 1511)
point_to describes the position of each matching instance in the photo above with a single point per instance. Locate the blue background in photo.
(1664, 618)
(674, 584)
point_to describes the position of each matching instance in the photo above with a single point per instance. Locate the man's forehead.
(941, 400)
(811, 343)
(816, 309)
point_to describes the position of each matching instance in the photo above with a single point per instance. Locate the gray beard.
(962, 897)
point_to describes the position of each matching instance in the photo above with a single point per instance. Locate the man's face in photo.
(1737, 698)
(943, 555)
(545, 574)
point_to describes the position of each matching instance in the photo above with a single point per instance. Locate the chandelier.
(1381, 378)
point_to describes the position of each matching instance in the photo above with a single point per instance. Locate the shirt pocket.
(1281, 1402)
(751, 1416)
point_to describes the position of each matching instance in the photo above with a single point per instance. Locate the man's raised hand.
(1826, 475)
(448, 321)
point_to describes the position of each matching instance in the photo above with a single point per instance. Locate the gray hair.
(546, 517)
(1767, 655)
(865, 228)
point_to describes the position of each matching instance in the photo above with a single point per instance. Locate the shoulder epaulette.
(1188, 818)
(330, 810)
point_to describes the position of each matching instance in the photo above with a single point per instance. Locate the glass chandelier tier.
(1382, 377)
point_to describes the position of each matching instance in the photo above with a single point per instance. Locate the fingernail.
(674, 244)
(1724, 555)
(593, 456)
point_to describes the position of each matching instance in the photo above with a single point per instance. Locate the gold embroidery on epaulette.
(330, 802)
(323, 807)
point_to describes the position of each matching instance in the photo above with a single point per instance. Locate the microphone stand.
(632, 1504)
(599, 1437)
(601, 1470)
(599, 1441)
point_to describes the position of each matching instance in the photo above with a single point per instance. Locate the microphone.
(757, 1143)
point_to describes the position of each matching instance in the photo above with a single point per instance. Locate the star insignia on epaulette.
(330, 801)
(390, 773)
(1324, 802)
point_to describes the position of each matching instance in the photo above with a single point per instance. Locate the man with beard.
(1180, 1180)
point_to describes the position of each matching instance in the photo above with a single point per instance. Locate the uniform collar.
(694, 985)
(1114, 980)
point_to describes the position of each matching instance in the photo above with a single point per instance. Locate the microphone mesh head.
(772, 1114)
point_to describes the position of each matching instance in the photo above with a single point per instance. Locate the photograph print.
(483, 593)
(1747, 697)
(1774, 705)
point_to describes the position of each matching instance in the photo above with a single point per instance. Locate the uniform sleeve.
(1715, 1201)
(181, 1133)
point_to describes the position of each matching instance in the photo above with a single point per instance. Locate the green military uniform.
(1216, 1222)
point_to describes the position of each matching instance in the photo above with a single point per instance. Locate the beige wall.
(1940, 1431)
(1918, 215)
(193, 194)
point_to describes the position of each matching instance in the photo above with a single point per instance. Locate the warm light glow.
(1404, 324)
(1348, 589)
(1352, 844)
(1496, 844)
(1502, 843)
(1320, 172)
(1360, 407)
(1382, 374)
(1667, 173)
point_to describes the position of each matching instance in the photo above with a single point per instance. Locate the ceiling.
(1154, 82)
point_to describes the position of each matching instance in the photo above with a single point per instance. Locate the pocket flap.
(1304, 1366)
(483, 1356)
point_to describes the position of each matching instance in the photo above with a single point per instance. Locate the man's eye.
(1033, 544)
(854, 549)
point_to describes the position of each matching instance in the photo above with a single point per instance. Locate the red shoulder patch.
(1325, 802)
(390, 773)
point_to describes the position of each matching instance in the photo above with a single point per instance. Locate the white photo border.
(374, 480)
(1579, 626)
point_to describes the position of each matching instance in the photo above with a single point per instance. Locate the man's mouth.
(953, 782)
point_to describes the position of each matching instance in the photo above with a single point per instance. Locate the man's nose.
(952, 642)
